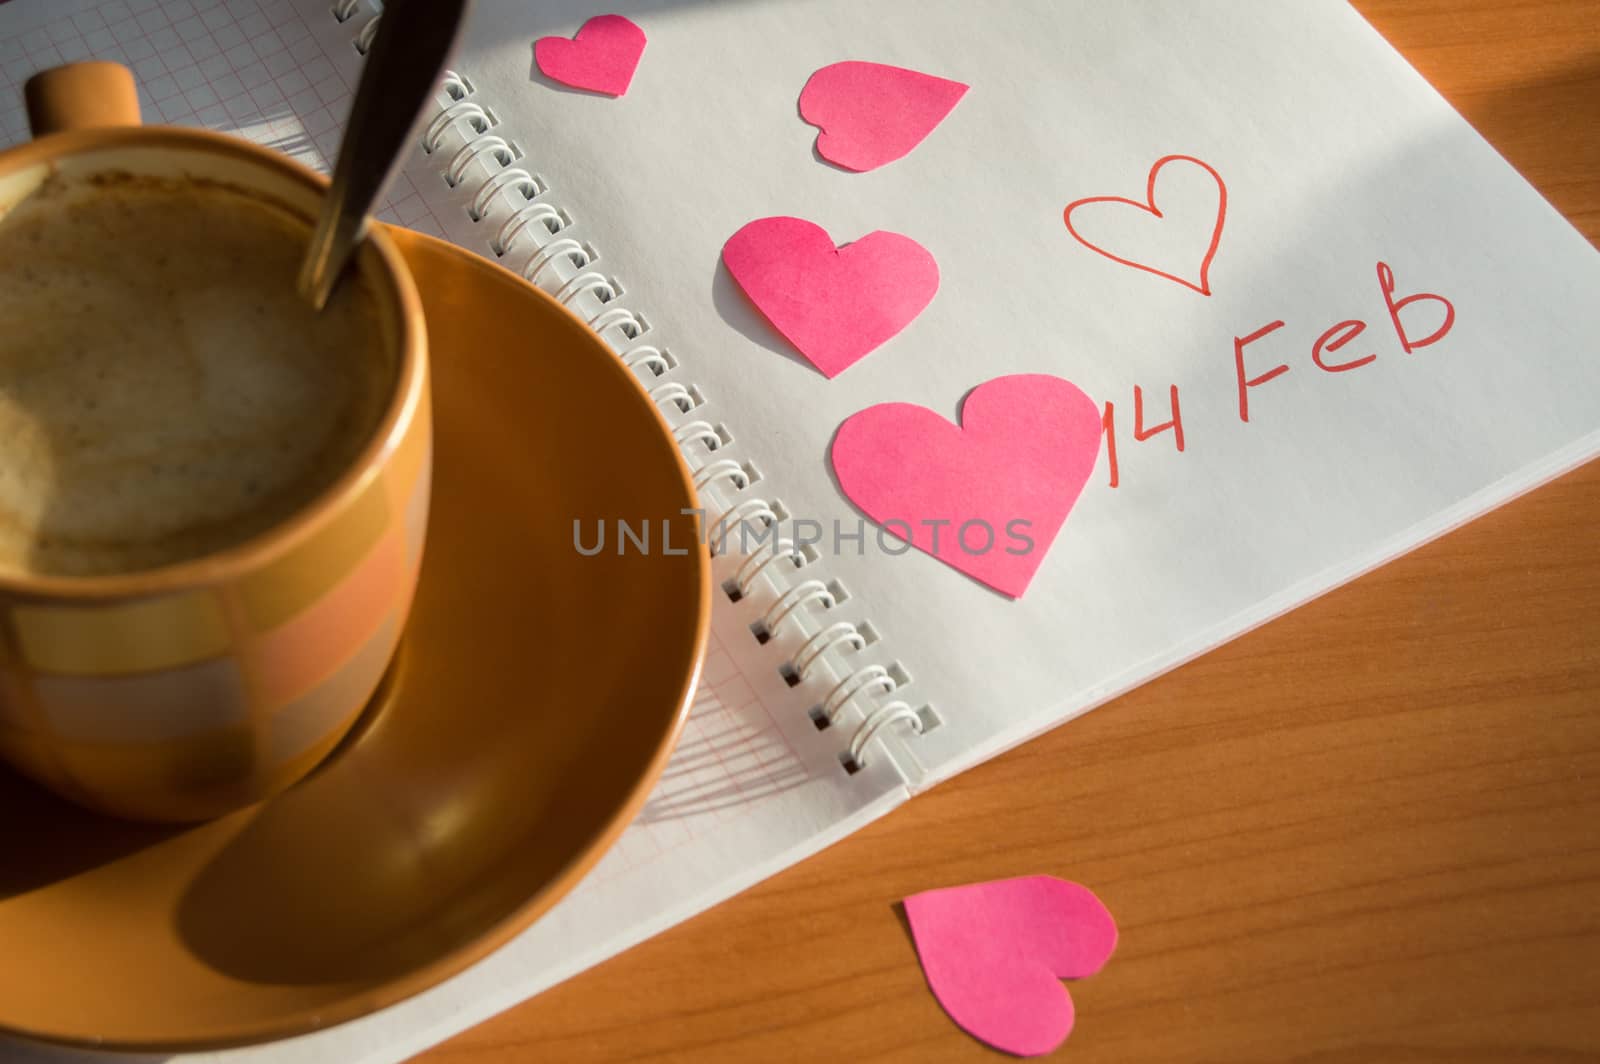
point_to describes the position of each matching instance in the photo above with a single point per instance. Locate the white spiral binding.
(481, 121)
(603, 287)
(454, 85)
(494, 147)
(561, 266)
(879, 719)
(721, 469)
(510, 176)
(702, 432)
(804, 592)
(852, 685)
(647, 355)
(754, 565)
(749, 512)
(673, 392)
(520, 219)
(364, 38)
(617, 318)
(835, 635)
(546, 256)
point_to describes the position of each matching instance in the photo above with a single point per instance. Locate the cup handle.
(81, 96)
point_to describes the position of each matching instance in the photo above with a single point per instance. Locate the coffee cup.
(207, 572)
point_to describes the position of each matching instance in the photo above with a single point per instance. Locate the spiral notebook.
(1348, 327)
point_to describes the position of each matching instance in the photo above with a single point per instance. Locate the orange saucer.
(535, 700)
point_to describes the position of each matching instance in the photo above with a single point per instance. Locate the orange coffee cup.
(187, 691)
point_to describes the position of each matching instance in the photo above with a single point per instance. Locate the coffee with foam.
(165, 393)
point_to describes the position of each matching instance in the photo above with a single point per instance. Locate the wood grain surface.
(1367, 832)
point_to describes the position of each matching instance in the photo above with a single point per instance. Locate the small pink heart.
(986, 498)
(871, 114)
(835, 304)
(601, 58)
(995, 953)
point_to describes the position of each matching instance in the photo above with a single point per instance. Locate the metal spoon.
(403, 64)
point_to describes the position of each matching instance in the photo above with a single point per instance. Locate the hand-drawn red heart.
(995, 954)
(1096, 203)
(986, 498)
(836, 305)
(870, 114)
(601, 58)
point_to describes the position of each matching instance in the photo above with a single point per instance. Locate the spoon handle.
(403, 64)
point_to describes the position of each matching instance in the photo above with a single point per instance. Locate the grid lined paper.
(243, 67)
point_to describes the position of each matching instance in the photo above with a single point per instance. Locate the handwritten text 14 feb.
(1328, 355)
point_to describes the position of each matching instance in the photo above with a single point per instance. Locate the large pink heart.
(995, 953)
(836, 305)
(601, 58)
(871, 114)
(1194, 238)
(986, 498)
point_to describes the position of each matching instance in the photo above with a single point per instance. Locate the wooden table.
(1368, 832)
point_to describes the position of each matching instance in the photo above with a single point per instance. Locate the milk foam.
(164, 391)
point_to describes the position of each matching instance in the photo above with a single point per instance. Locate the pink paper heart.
(870, 114)
(836, 305)
(1148, 210)
(601, 58)
(994, 954)
(1012, 471)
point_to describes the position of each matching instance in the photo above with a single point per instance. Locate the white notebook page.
(753, 786)
(1336, 156)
